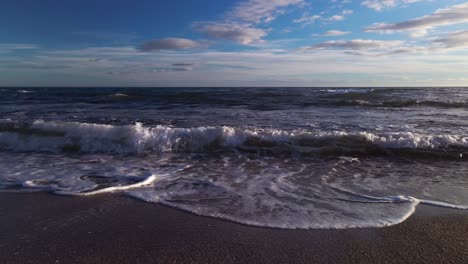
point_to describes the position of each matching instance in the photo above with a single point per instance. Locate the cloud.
(168, 44)
(11, 47)
(306, 18)
(379, 5)
(356, 45)
(241, 23)
(456, 14)
(257, 11)
(336, 18)
(172, 69)
(365, 47)
(242, 34)
(453, 40)
(241, 68)
(333, 33)
(183, 64)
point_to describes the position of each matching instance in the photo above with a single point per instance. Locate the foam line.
(146, 182)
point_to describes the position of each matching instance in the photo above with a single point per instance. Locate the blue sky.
(234, 43)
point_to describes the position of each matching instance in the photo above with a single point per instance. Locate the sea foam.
(261, 177)
(42, 136)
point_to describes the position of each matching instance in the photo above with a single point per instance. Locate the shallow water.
(276, 157)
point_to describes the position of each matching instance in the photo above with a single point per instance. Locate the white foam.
(346, 91)
(291, 192)
(119, 95)
(138, 139)
(25, 91)
(148, 181)
(267, 191)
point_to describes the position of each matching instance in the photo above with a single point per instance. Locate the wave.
(42, 136)
(348, 91)
(25, 91)
(404, 103)
(119, 95)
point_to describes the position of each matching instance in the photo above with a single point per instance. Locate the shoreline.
(46, 228)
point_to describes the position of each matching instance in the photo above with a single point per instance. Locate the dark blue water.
(277, 157)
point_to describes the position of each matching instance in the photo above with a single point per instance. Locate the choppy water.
(276, 157)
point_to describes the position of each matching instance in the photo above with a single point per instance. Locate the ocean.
(294, 158)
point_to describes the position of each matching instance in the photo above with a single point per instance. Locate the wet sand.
(45, 228)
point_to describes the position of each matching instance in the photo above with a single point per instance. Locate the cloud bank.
(452, 15)
(356, 44)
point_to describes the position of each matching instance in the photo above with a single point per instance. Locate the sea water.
(273, 157)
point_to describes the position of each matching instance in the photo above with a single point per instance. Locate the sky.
(156, 43)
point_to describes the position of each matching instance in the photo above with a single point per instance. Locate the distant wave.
(119, 95)
(404, 103)
(122, 97)
(348, 91)
(42, 136)
(25, 91)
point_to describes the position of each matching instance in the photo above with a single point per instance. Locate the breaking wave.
(56, 137)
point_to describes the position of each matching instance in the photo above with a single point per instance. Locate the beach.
(46, 228)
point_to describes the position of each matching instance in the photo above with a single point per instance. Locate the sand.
(46, 228)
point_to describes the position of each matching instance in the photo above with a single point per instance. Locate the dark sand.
(44, 228)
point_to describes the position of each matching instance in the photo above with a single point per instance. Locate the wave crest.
(42, 136)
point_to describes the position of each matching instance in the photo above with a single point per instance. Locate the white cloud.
(333, 33)
(10, 47)
(257, 11)
(173, 69)
(241, 23)
(454, 41)
(379, 5)
(457, 39)
(306, 18)
(452, 15)
(242, 34)
(168, 44)
(336, 18)
(356, 44)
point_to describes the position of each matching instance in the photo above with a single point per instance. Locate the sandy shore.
(44, 228)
